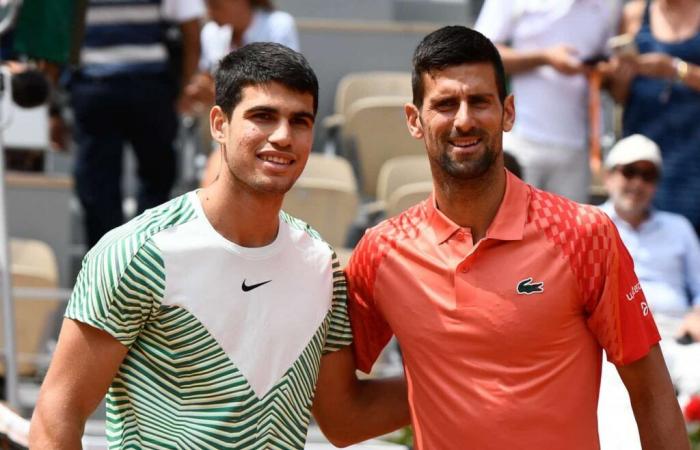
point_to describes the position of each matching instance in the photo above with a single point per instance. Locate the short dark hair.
(452, 46)
(262, 63)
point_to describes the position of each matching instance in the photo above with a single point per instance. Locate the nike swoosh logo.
(247, 288)
(528, 287)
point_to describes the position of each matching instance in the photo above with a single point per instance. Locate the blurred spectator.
(125, 91)
(666, 256)
(234, 23)
(664, 248)
(660, 89)
(544, 46)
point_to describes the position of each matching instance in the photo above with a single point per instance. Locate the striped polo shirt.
(224, 341)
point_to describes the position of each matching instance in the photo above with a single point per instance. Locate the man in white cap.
(664, 248)
(666, 256)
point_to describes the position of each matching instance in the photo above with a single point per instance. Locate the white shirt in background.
(666, 256)
(551, 107)
(266, 26)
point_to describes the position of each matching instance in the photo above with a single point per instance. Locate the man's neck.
(472, 203)
(247, 218)
(634, 219)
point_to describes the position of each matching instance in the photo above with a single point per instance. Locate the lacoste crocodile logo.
(527, 287)
(247, 288)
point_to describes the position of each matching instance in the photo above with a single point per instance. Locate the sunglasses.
(647, 175)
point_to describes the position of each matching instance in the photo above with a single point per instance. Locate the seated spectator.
(663, 245)
(666, 256)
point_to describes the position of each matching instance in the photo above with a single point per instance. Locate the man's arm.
(349, 410)
(656, 410)
(81, 370)
(562, 58)
(190, 48)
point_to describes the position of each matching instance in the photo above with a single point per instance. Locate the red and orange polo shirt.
(502, 338)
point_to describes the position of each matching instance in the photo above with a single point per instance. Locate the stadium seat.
(376, 127)
(355, 86)
(406, 196)
(33, 265)
(325, 196)
(395, 173)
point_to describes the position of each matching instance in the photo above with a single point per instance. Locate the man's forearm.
(659, 419)
(375, 407)
(54, 425)
(190, 49)
(516, 61)
(660, 424)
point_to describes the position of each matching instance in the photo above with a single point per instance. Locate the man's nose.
(463, 119)
(282, 134)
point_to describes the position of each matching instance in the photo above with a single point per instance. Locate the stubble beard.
(466, 170)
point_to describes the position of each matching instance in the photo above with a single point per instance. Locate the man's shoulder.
(122, 243)
(673, 222)
(405, 225)
(390, 233)
(560, 218)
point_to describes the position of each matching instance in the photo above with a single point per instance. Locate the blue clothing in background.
(668, 112)
(123, 92)
(666, 255)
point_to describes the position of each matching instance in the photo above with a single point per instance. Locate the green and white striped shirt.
(224, 341)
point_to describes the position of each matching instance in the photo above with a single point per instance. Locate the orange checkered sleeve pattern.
(618, 313)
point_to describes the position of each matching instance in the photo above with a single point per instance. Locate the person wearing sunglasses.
(663, 245)
(665, 251)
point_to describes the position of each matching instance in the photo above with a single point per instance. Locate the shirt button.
(464, 269)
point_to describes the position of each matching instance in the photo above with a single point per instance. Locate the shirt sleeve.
(182, 10)
(619, 315)
(370, 330)
(284, 30)
(496, 20)
(339, 332)
(691, 262)
(116, 292)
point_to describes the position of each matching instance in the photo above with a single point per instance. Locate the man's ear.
(508, 113)
(218, 124)
(415, 127)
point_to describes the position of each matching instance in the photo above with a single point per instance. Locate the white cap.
(632, 149)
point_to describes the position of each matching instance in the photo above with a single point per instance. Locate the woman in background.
(659, 86)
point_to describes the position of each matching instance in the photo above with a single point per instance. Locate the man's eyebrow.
(304, 115)
(262, 109)
(442, 98)
(272, 110)
(482, 95)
